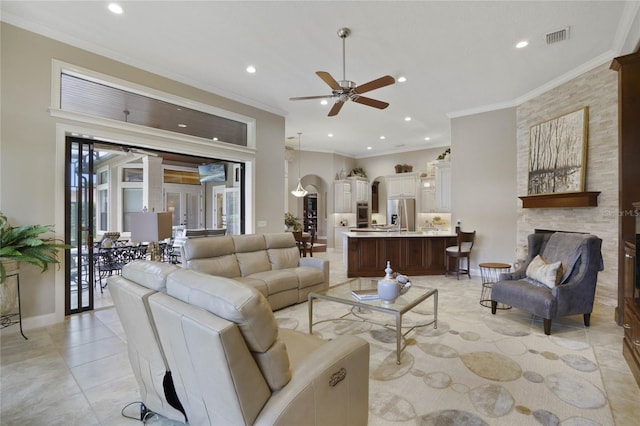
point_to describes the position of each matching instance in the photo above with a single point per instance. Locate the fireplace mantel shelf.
(560, 200)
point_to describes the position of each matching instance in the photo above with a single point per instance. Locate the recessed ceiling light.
(115, 8)
(215, 139)
(251, 69)
(330, 135)
(182, 125)
(407, 118)
(427, 138)
(522, 44)
(324, 102)
(369, 147)
(382, 137)
(402, 79)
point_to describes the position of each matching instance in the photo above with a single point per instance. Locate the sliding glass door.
(79, 225)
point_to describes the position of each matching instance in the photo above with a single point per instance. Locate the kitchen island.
(410, 253)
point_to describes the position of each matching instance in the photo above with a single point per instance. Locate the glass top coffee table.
(342, 293)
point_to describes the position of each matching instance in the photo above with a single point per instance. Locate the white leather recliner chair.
(232, 365)
(130, 293)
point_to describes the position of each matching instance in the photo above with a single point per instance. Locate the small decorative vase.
(388, 287)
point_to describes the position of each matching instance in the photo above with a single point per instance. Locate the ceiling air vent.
(558, 36)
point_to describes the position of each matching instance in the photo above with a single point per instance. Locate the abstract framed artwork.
(558, 154)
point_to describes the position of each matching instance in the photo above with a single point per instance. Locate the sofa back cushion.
(211, 255)
(251, 252)
(151, 275)
(282, 250)
(244, 306)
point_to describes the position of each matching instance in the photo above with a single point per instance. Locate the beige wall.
(31, 173)
(596, 89)
(483, 174)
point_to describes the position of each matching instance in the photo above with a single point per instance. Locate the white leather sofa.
(230, 362)
(271, 263)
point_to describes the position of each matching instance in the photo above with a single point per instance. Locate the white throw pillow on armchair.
(548, 274)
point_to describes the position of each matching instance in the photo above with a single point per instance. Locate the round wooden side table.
(490, 273)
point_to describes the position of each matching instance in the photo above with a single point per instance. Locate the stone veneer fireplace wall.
(597, 89)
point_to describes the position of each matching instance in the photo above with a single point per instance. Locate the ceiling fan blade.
(370, 102)
(301, 98)
(326, 77)
(375, 84)
(335, 109)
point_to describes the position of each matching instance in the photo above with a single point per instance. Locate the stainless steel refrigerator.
(403, 210)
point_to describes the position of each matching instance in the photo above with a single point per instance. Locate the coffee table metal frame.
(341, 293)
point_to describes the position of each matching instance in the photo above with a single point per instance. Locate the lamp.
(299, 191)
(151, 227)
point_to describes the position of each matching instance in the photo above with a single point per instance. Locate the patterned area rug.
(473, 369)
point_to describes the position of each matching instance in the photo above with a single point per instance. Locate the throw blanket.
(564, 247)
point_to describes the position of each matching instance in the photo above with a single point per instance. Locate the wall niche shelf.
(560, 200)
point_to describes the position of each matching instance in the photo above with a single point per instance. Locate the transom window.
(89, 97)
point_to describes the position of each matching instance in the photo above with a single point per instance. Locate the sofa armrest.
(315, 262)
(330, 386)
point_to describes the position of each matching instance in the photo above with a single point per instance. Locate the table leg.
(435, 309)
(310, 315)
(398, 337)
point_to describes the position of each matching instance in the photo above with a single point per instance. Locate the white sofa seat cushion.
(278, 280)
(309, 276)
(244, 306)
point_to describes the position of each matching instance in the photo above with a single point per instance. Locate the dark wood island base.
(409, 253)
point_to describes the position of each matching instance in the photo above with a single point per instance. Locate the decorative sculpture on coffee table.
(389, 288)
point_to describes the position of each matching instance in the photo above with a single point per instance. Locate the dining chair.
(462, 250)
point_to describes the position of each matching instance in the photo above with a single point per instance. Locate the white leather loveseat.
(231, 364)
(271, 263)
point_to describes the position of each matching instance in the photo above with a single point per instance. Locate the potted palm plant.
(26, 243)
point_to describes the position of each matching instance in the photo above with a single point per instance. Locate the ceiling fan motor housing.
(347, 84)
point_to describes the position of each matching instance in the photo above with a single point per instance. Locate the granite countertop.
(364, 233)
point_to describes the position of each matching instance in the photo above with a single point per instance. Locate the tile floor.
(78, 372)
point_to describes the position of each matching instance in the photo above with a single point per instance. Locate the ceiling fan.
(345, 89)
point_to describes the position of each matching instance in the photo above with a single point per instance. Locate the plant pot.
(9, 288)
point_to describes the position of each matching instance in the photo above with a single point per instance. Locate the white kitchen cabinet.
(401, 185)
(428, 195)
(337, 240)
(443, 186)
(359, 189)
(342, 196)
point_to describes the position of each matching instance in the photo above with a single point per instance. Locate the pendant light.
(299, 191)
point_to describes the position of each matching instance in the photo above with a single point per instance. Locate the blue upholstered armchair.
(557, 279)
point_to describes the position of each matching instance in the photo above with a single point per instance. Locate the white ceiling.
(458, 57)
